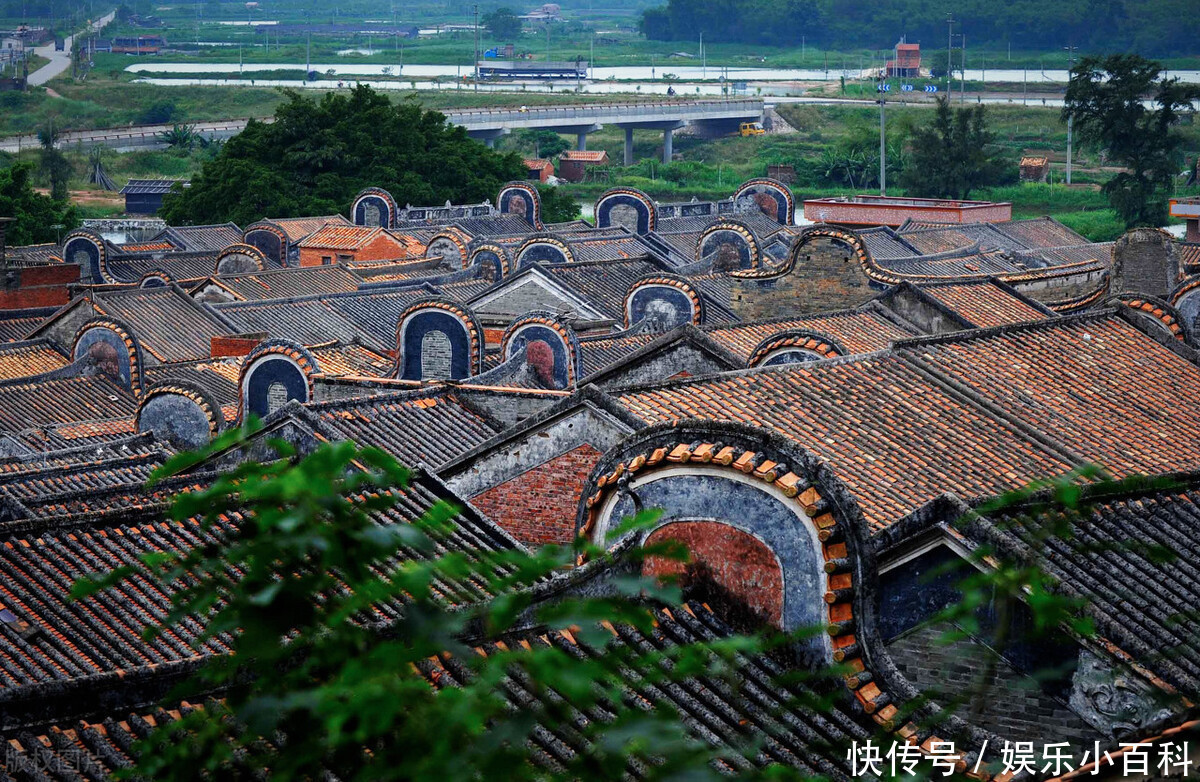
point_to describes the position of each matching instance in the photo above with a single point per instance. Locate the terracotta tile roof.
(170, 325)
(1041, 232)
(63, 401)
(599, 352)
(103, 633)
(1095, 384)
(1189, 254)
(430, 427)
(1142, 602)
(867, 416)
(859, 331)
(189, 265)
(15, 324)
(218, 376)
(309, 321)
(147, 247)
(414, 247)
(286, 283)
(35, 461)
(353, 360)
(985, 304)
(37, 484)
(211, 238)
(340, 237)
(296, 228)
(33, 255)
(22, 359)
(586, 155)
(535, 162)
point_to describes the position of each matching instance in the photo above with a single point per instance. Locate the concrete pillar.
(581, 142)
(667, 149)
(490, 141)
(1193, 230)
(629, 146)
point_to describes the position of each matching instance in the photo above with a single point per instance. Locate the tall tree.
(1107, 97)
(954, 155)
(36, 214)
(502, 24)
(319, 153)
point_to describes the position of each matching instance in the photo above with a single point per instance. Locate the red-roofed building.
(539, 168)
(906, 63)
(574, 163)
(350, 244)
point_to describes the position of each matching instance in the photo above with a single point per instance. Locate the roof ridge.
(1092, 315)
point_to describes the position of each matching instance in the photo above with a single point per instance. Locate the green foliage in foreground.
(319, 681)
(319, 153)
(36, 214)
(316, 676)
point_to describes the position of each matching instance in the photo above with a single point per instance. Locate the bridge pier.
(629, 145)
(668, 127)
(488, 136)
(668, 150)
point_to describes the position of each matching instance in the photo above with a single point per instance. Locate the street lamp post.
(1070, 117)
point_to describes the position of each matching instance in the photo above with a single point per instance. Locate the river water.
(621, 73)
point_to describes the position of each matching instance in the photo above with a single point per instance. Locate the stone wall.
(539, 505)
(1145, 260)
(825, 277)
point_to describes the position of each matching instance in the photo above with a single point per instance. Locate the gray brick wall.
(1014, 706)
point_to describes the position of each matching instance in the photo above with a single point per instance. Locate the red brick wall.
(739, 562)
(38, 286)
(539, 506)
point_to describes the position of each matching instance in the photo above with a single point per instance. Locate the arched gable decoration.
(542, 248)
(794, 346)
(523, 200)
(184, 414)
(155, 278)
(374, 206)
(449, 245)
(774, 490)
(276, 372)
(495, 259)
(629, 207)
(770, 196)
(87, 248)
(550, 345)
(443, 326)
(240, 259)
(1154, 310)
(109, 346)
(269, 239)
(850, 241)
(663, 302)
(730, 245)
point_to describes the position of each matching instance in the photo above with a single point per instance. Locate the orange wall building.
(350, 244)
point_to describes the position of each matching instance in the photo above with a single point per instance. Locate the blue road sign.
(906, 87)
(931, 88)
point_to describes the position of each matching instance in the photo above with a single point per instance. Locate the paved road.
(60, 61)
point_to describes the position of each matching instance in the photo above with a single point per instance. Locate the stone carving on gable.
(270, 240)
(550, 346)
(521, 199)
(729, 245)
(494, 261)
(1112, 699)
(662, 303)
(89, 250)
(628, 207)
(108, 346)
(183, 414)
(373, 207)
(450, 247)
(438, 339)
(240, 259)
(276, 372)
(769, 196)
(543, 248)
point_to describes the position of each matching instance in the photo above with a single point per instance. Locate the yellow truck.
(751, 129)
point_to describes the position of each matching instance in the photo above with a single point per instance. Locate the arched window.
(277, 396)
(436, 353)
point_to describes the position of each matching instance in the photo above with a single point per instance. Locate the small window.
(326, 260)
(344, 258)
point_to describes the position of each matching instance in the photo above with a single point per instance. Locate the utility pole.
(949, 48)
(882, 148)
(477, 47)
(592, 59)
(962, 93)
(1070, 117)
(308, 56)
(703, 59)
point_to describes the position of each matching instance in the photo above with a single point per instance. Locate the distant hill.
(1156, 28)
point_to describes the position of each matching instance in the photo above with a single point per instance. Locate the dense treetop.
(36, 214)
(1157, 27)
(319, 153)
